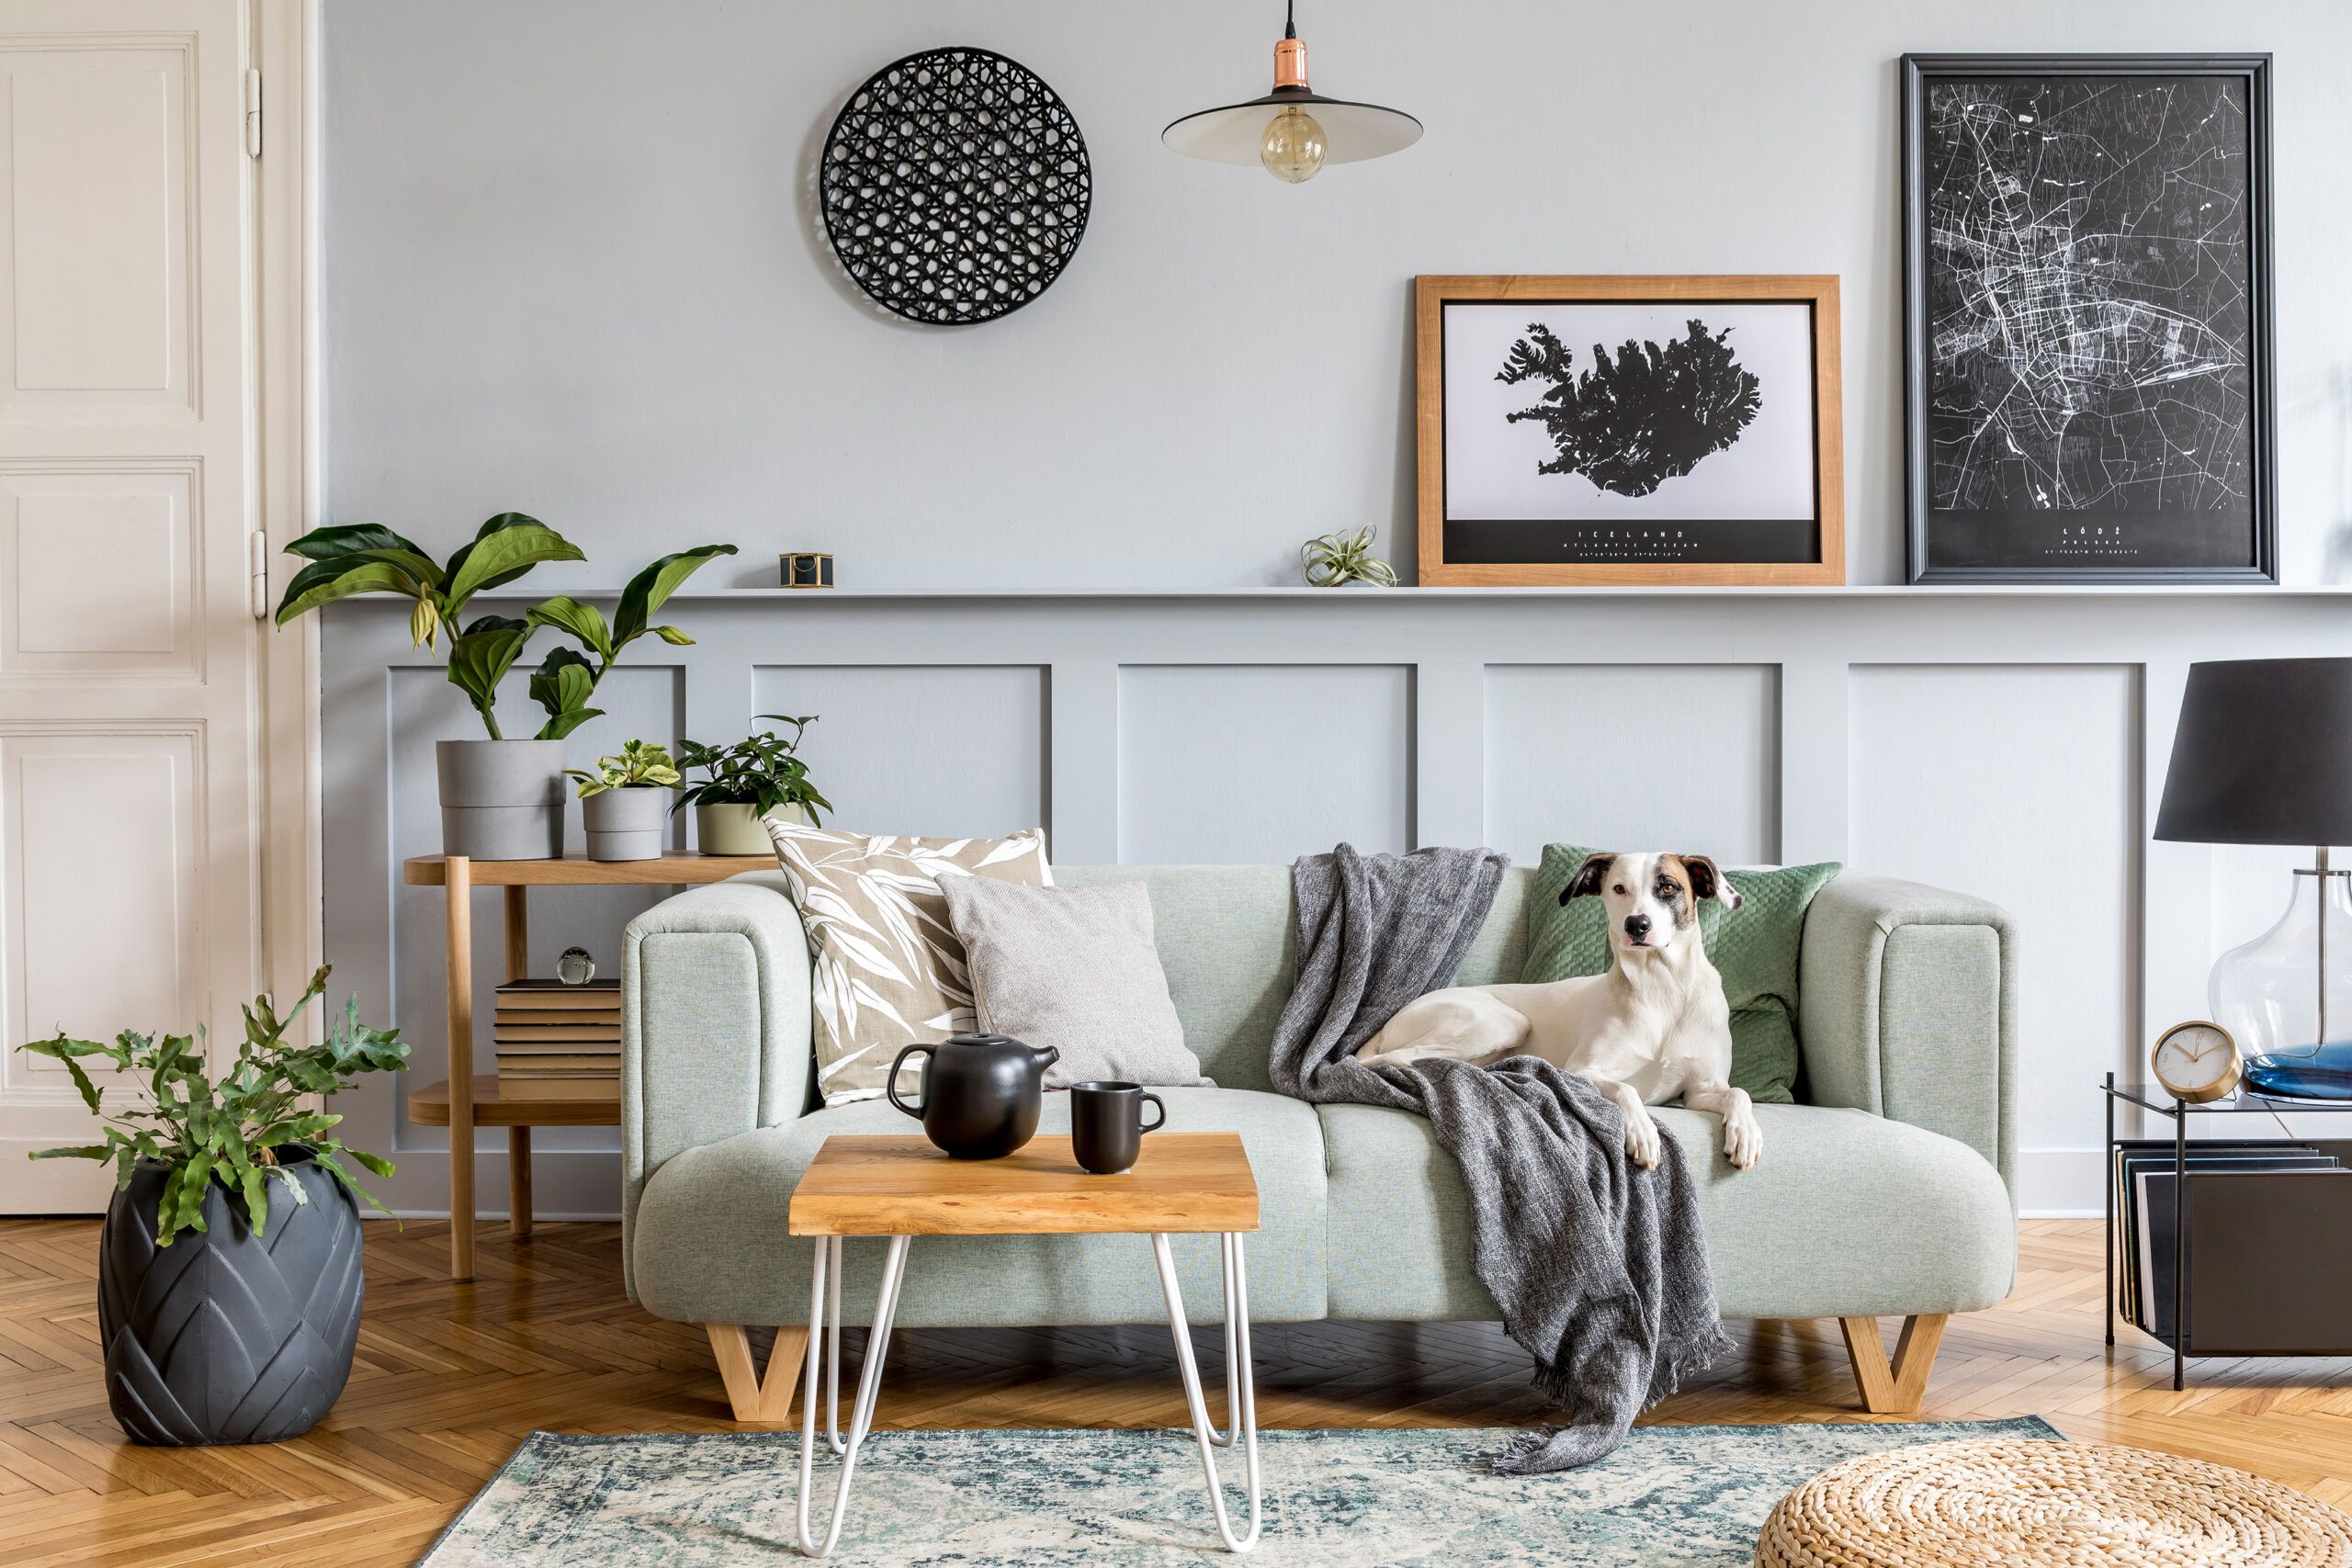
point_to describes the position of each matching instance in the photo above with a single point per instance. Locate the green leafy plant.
(640, 764)
(364, 557)
(1333, 561)
(763, 772)
(231, 1130)
(566, 680)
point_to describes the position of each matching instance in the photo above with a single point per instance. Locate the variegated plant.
(638, 764)
(228, 1129)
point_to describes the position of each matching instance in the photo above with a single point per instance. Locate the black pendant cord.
(1290, 18)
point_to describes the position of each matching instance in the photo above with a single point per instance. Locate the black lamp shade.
(2263, 754)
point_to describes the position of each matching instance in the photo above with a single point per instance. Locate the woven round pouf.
(2003, 1503)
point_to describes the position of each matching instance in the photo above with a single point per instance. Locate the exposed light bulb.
(1293, 148)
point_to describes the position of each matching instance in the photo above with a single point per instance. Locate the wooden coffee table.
(1186, 1183)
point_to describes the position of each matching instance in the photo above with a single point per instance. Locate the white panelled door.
(130, 839)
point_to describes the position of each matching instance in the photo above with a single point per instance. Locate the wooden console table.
(462, 1102)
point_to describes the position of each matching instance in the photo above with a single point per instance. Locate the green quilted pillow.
(1754, 949)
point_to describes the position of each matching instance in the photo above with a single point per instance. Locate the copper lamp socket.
(1290, 64)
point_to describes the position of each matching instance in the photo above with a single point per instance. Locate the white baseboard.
(2062, 1183)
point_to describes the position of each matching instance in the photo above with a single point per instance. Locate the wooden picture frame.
(1608, 530)
(2110, 347)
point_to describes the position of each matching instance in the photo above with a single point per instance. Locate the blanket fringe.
(1557, 1383)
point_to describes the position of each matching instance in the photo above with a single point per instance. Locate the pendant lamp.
(1293, 131)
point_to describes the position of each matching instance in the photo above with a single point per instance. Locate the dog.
(1653, 1027)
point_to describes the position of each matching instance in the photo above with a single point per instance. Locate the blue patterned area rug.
(1672, 1497)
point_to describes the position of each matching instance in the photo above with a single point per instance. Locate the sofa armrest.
(715, 1024)
(1907, 1009)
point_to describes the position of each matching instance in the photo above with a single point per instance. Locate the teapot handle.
(890, 1085)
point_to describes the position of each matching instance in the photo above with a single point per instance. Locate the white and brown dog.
(1652, 1028)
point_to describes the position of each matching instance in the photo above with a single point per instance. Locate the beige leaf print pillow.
(887, 969)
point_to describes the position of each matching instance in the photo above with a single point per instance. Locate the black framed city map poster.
(2087, 318)
(1668, 430)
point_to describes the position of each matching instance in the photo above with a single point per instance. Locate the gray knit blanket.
(1598, 1266)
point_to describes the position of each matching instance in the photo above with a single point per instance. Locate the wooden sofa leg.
(1893, 1389)
(768, 1401)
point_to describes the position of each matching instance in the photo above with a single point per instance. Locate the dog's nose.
(1637, 926)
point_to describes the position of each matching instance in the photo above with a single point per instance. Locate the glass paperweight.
(2287, 995)
(575, 967)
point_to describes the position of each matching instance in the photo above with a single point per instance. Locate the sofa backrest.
(1227, 938)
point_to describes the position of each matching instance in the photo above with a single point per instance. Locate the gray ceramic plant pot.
(627, 823)
(736, 831)
(228, 1336)
(501, 799)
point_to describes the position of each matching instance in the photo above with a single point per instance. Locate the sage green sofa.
(1888, 1192)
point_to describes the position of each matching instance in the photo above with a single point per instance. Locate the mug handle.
(1155, 1126)
(890, 1085)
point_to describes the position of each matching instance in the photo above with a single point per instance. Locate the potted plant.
(249, 1341)
(501, 799)
(754, 777)
(622, 802)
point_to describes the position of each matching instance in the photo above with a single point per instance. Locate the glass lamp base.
(2325, 1073)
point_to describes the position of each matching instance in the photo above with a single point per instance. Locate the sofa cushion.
(888, 971)
(709, 1243)
(1848, 1215)
(1073, 969)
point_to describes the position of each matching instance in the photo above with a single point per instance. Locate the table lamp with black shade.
(2262, 755)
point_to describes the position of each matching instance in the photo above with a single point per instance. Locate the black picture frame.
(1920, 71)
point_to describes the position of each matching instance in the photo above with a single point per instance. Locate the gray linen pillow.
(1074, 968)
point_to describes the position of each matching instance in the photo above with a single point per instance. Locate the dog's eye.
(1666, 892)
(1619, 889)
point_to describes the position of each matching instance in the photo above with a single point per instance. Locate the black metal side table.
(2296, 1223)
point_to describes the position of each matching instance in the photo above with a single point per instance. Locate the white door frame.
(289, 476)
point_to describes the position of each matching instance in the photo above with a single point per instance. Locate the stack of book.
(2144, 1176)
(559, 1040)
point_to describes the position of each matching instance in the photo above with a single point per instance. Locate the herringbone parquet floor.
(450, 1378)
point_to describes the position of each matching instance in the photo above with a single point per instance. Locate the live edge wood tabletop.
(463, 1102)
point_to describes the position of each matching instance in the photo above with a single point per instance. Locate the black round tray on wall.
(956, 187)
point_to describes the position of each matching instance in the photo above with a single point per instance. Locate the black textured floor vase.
(227, 1337)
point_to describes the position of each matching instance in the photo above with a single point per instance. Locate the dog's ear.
(1588, 875)
(1707, 881)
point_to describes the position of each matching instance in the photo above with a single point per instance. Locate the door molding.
(289, 476)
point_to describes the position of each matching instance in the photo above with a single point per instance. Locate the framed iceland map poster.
(2087, 315)
(1629, 430)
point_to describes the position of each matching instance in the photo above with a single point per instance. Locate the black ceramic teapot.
(981, 1093)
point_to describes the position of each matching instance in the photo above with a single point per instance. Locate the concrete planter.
(736, 831)
(501, 799)
(628, 823)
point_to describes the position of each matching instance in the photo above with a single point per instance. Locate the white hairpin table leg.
(1241, 1390)
(827, 1271)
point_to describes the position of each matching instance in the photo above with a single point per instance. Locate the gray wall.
(572, 265)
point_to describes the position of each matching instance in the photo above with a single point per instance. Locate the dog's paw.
(1642, 1142)
(1743, 1143)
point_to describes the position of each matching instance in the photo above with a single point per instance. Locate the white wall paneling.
(1656, 756)
(1247, 764)
(941, 751)
(2008, 744)
(2024, 779)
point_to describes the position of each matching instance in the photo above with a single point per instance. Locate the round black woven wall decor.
(955, 186)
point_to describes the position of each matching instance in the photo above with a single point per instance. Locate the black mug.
(1106, 1124)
